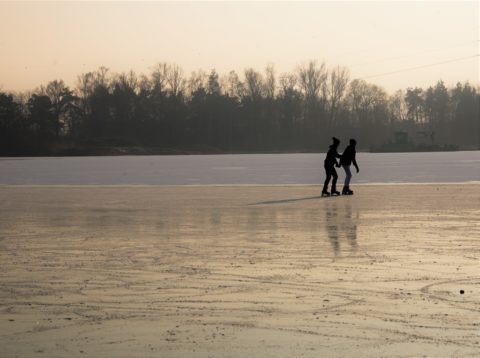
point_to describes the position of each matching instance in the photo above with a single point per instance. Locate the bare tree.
(270, 82)
(101, 77)
(144, 84)
(415, 104)
(365, 98)
(235, 87)
(311, 78)
(84, 86)
(22, 99)
(213, 83)
(337, 86)
(127, 81)
(397, 107)
(159, 76)
(288, 83)
(54, 91)
(224, 84)
(175, 80)
(253, 84)
(197, 80)
(87, 82)
(357, 96)
(61, 99)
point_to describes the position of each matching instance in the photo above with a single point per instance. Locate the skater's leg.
(334, 182)
(348, 176)
(327, 180)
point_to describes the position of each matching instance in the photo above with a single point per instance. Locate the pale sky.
(43, 41)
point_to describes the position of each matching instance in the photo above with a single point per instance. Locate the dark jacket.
(348, 156)
(332, 155)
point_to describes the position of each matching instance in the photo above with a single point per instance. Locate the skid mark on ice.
(468, 301)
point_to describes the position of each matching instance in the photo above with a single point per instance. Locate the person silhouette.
(329, 165)
(347, 158)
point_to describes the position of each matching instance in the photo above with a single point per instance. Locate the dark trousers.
(348, 176)
(331, 173)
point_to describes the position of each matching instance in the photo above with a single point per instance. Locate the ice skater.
(329, 164)
(347, 158)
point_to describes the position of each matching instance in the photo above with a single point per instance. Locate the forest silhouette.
(169, 112)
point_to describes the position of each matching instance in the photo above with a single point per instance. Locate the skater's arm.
(355, 164)
(337, 155)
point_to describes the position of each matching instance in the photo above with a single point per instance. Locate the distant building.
(424, 138)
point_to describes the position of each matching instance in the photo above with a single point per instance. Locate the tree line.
(257, 111)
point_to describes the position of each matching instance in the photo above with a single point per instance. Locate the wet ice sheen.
(239, 271)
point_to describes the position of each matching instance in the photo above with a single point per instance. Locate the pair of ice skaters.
(347, 158)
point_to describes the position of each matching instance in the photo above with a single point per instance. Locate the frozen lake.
(437, 167)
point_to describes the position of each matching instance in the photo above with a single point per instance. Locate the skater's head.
(336, 141)
(353, 142)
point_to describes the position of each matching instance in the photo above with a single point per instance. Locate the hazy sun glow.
(382, 42)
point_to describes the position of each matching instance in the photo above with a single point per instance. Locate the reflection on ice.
(341, 225)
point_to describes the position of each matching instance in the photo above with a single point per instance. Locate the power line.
(418, 67)
(416, 53)
(451, 46)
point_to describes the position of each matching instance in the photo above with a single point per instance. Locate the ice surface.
(438, 167)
